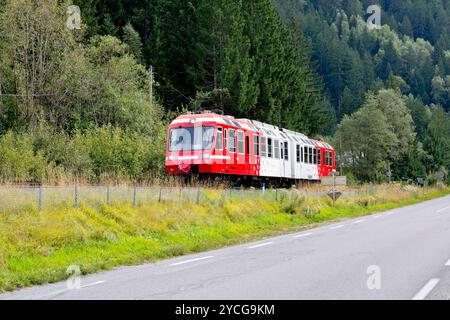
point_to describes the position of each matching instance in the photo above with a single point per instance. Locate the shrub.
(95, 156)
(18, 160)
(432, 180)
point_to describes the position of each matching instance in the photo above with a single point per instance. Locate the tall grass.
(37, 247)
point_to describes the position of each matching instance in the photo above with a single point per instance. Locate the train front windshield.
(191, 139)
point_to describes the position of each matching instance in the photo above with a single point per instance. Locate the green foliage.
(408, 49)
(75, 109)
(380, 132)
(303, 65)
(18, 161)
(101, 154)
(367, 140)
(238, 47)
(398, 117)
(437, 141)
(133, 40)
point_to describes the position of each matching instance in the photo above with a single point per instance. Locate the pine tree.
(406, 27)
(437, 142)
(133, 40)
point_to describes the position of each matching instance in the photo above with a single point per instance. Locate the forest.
(93, 103)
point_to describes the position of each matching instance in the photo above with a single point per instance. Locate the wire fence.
(42, 198)
(16, 198)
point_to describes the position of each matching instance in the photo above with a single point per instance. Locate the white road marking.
(56, 293)
(426, 290)
(261, 245)
(337, 227)
(389, 213)
(191, 260)
(377, 217)
(92, 284)
(448, 263)
(302, 235)
(359, 221)
(443, 209)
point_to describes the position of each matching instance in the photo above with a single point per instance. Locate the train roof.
(252, 125)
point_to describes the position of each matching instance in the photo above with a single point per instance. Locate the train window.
(269, 148)
(241, 145)
(329, 158)
(263, 147)
(219, 139)
(232, 141)
(191, 138)
(302, 159)
(319, 157)
(281, 150)
(310, 154)
(306, 152)
(256, 145)
(247, 144)
(298, 153)
(286, 151)
(276, 148)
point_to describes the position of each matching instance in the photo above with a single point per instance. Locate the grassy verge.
(37, 247)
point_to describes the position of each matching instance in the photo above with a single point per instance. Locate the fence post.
(276, 194)
(76, 196)
(160, 194)
(134, 196)
(108, 196)
(197, 201)
(40, 198)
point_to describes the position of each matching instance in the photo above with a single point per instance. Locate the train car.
(218, 145)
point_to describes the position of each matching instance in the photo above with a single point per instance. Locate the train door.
(303, 170)
(232, 150)
(320, 162)
(295, 162)
(240, 157)
(219, 154)
(291, 159)
(248, 160)
(279, 156)
(286, 168)
(308, 162)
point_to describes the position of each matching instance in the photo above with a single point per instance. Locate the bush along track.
(38, 247)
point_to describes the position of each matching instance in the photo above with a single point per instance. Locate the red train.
(215, 145)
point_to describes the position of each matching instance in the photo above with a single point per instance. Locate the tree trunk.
(146, 22)
(1, 94)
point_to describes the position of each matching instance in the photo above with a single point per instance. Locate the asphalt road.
(399, 254)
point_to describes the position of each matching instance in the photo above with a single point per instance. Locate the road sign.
(334, 194)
